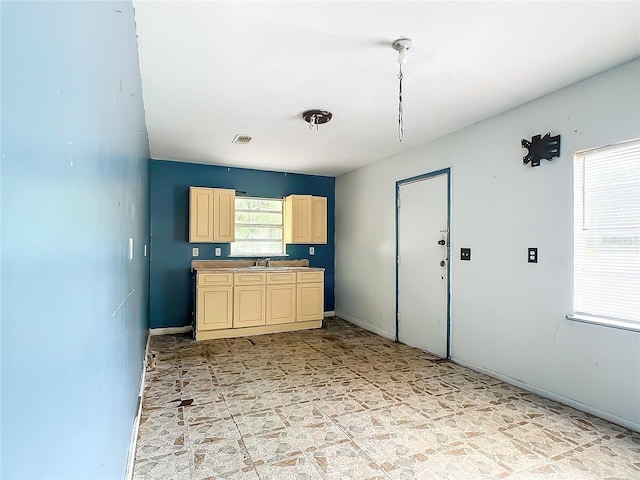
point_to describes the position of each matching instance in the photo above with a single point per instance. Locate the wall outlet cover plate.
(533, 255)
(465, 254)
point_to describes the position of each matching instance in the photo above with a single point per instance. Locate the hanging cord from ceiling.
(401, 45)
(400, 119)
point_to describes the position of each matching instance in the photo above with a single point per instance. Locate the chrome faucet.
(266, 262)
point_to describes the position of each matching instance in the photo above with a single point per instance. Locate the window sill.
(259, 255)
(606, 322)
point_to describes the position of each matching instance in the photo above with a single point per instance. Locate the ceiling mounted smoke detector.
(242, 139)
(316, 117)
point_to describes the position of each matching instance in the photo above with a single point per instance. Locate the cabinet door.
(249, 306)
(224, 215)
(318, 220)
(297, 219)
(200, 215)
(214, 308)
(310, 301)
(281, 304)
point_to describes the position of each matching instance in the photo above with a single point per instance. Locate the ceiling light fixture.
(316, 117)
(401, 45)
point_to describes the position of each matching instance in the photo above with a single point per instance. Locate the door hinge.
(398, 316)
(398, 259)
(398, 202)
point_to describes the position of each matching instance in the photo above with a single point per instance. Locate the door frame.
(418, 178)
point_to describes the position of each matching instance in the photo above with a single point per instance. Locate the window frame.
(283, 251)
(582, 156)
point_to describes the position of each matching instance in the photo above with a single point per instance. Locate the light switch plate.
(218, 251)
(195, 251)
(312, 250)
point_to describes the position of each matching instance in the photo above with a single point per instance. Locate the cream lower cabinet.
(281, 298)
(214, 302)
(309, 296)
(249, 300)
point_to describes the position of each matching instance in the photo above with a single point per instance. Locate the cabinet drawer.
(310, 277)
(213, 279)
(281, 277)
(249, 278)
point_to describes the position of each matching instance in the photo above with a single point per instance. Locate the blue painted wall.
(170, 289)
(74, 188)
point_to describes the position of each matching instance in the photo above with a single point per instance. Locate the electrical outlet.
(465, 254)
(533, 255)
(218, 251)
(312, 250)
(195, 251)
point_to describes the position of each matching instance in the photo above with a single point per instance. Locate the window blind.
(607, 232)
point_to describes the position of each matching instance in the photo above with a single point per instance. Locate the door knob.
(441, 242)
(442, 263)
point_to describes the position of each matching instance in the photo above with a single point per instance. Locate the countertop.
(255, 269)
(222, 266)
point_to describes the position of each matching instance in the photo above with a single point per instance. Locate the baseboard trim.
(370, 326)
(170, 330)
(623, 422)
(136, 421)
(331, 313)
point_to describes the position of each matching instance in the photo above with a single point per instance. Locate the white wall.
(508, 316)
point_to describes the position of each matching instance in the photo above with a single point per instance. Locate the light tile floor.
(342, 403)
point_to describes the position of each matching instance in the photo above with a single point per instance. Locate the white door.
(423, 282)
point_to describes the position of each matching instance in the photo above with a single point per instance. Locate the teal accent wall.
(170, 288)
(74, 189)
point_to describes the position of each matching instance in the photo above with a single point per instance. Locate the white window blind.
(259, 227)
(607, 232)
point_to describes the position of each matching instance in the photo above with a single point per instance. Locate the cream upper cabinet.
(224, 215)
(297, 219)
(200, 215)
(211, 215)
(305, 219)
(318, 220)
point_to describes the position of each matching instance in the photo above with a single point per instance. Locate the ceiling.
(214, 69)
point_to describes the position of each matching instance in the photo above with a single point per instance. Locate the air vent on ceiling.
(243, 139)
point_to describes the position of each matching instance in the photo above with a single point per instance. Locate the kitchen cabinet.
(234, 299)
(211, 215)
(281, 298)
(310, 296)
(318, 220)
(214, 302)
(249, 300)
(305, 219)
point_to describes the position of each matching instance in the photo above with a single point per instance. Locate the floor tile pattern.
(341, 403)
